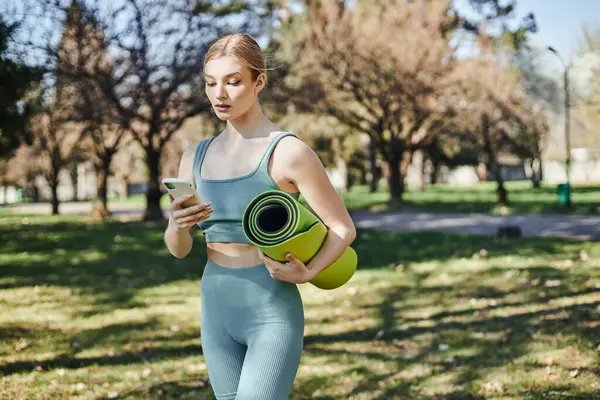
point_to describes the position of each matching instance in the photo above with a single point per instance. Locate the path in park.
(580, 227)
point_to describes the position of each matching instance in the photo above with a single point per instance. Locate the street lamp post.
(567, 118)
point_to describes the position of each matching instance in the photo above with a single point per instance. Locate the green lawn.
(482, 198)
(101, 310)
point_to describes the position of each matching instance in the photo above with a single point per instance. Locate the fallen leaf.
(552, 283)
(495, 386)
(22, 345)
(574, 373)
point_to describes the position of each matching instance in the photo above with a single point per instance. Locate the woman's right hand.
(187, 217)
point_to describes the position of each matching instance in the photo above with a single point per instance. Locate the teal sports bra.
(229, 197)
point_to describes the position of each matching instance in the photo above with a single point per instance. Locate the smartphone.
(178, 187)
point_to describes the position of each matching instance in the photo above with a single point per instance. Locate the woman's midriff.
(233, 255)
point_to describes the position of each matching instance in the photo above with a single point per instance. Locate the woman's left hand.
(293, 271)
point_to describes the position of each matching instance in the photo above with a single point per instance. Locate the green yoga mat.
(277, 223)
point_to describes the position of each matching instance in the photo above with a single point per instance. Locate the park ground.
(100, 310)
(440, 198)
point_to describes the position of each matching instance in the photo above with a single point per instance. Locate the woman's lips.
(222, 107)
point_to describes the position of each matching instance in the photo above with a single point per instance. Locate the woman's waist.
(233, 255)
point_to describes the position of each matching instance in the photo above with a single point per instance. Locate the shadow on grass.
(110, 262)
(69, 361)
(465, 344)
(194, 388)
(378, 249)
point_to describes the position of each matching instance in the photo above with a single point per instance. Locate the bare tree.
(495, 104)
(82, 51)
(153, 80)
(57, 140)
(382, 69)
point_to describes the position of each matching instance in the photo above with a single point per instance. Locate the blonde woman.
(252, 318)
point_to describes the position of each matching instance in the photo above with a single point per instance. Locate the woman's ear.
(260, 83)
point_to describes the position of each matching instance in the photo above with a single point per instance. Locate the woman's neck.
(249, 125)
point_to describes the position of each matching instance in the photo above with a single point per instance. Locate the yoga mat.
(277, 223)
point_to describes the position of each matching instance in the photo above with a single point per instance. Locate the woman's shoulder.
(191, 149)
(293, 148)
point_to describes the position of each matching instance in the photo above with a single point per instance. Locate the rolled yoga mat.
(277, 223)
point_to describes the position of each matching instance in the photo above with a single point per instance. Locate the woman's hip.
(249, 289)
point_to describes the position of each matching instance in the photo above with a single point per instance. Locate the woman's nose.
(221, 93)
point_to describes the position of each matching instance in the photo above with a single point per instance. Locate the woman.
(252, 322)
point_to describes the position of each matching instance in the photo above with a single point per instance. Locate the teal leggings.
(252, 329)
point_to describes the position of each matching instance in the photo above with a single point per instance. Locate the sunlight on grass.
(108, 313)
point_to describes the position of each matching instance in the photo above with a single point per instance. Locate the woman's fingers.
(184, 212)
(197, 217)
(177, 204)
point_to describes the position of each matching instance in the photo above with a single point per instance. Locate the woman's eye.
(235, 83)
(210, 84)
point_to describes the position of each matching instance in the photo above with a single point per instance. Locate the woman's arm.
(182, 221)
(299, 164)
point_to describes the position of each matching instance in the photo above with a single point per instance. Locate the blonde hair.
(242, 46)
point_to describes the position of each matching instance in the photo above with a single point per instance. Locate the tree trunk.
(373, 166)
(340, 163)
(153, 211)
(424, 179)
(397, 166)
(74, 181)
(493, 160)
(100, 208)
(54, 188)
(536, 172)
(434, 171)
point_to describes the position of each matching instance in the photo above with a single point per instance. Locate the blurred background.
(478, 119)
(102, 98)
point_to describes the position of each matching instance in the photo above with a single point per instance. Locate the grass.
(101, 310)
(482, 198)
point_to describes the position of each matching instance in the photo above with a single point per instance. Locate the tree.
(16, 79)
(83, 50)
(57, 140)
(380, 68)
(495, 93)
(589, 43)
(494, 106)
(452, 149)
(542, 98)
(154, 80)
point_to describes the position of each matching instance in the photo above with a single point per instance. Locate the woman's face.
(229, 87)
